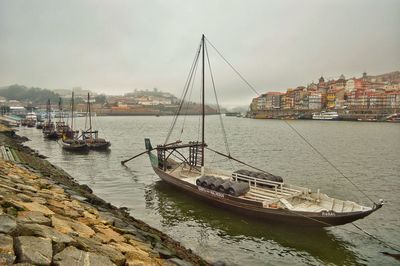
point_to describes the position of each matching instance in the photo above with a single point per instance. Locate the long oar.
(137, 155)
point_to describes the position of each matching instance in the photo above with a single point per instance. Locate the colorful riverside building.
(355, 94)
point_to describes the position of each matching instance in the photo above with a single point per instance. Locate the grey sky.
(116, 46)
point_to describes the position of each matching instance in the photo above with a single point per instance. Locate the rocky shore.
(47, 218)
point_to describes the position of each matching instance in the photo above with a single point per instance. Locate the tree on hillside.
(35, 95)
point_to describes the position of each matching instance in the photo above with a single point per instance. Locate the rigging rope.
(237, 72)
(188, 101)
(331, 164)
(186, 87)
(218, 108)
(385, 243)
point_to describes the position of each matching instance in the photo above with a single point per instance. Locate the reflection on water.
(176, 208)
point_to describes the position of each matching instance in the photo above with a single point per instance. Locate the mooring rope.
(234, 69)
(329, 162)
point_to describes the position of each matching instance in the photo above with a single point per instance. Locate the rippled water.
(368, 153)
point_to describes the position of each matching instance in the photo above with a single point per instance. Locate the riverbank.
(47, 218)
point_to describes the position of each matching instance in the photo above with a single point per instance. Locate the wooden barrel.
(200, 180)
(215, 183)
(224, 186)
(238, 189)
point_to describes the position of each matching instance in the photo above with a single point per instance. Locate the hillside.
(25, 94)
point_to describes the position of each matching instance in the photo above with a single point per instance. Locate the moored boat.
(92, 136)
(39, 125)
(254, 193)
(49, 130)
(325, 116)
(70, 137)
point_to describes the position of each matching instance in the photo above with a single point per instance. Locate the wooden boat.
(70, 137)
(61, 126)
(39, 125)
(254, 193)
(92, 136)
(31, 119)
(49, 130)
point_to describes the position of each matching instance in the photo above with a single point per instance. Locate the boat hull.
(76, 147)
(256, 210)
(99, 146)
(51, 135)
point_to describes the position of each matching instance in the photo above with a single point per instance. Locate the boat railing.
(279, 189)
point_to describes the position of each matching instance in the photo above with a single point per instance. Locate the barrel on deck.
(215, 183)
(224, 186)
(238, 189)
(200, 180)
(260, 175)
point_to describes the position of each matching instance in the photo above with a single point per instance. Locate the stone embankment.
(46, 218)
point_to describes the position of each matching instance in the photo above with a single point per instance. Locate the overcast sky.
(114, 47)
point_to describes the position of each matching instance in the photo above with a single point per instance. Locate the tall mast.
(72, 112)
(202, 105)
(90, 115)
(48, 112)
(60, 109)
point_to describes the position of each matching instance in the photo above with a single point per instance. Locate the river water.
(368, 153)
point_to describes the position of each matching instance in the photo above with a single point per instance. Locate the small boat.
(73, 144)
(92, 136)
(61, 126)
(70, 137)
(30, 123)
(237, 114)
(31, 116)
(394, 118)
(255, 193)
(39, 125)
(325, 116)
(49, 129)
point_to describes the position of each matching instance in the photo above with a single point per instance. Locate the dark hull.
(99, 146)
(75, 147)
(51, 135)
(254, 209)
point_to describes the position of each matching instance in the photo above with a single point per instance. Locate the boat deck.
(274, 194)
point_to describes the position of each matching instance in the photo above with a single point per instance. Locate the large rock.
(27, 188)
(67, 226)
(133, 240)
(63, 210)
(60, 240)
(136, 256)
(24, 197)
(36, 207)
(106, 218)
(7, 255)
(106, 234)
(33, 217)
(34, 250)
(91, 245)
(7, 224)
(164, 252)
(73, 256)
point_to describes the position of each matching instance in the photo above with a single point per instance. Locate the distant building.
(273, 100)
(261, 102)
(350, 85)
(18, 110)
(315, 101)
